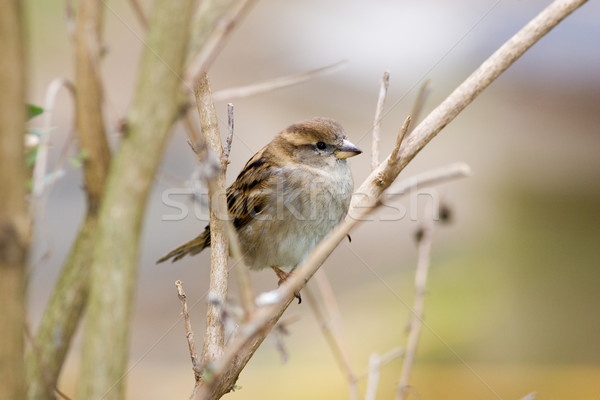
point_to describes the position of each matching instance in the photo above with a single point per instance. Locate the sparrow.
(288, 197)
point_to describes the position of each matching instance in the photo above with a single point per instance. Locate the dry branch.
(274, 84)
(214, 339)
(15, 222)
(415, 113)
(189, 333)
(331, 330)
(69, 297)
(385, 82)
(115, 251)
(424, 251)
(274, 303)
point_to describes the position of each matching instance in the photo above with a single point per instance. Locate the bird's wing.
(246, 197)
(250, 192)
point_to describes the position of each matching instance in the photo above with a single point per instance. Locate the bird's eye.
(321, 146)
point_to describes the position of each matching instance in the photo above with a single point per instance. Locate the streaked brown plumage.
(288, 196)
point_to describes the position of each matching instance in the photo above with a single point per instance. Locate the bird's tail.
(192, 247)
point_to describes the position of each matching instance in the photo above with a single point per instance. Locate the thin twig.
(242, 273)
(214, 338)
(385, 359)
(400, 139)
(373, 381)
(189, 333)
(277, 83)
(223, 236)
(202, 61)
(139, 13)
(424, 251)
(229, 140)
(415, 113)
(385, 82)
(192, 131)
(332, 335)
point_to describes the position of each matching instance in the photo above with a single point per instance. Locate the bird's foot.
(283, 276)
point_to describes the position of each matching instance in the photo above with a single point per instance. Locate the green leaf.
(33, 111)
(78, 159)
(31, 156)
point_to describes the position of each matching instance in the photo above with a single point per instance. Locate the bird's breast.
(304, 205)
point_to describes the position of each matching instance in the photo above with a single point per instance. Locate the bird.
(288, 197)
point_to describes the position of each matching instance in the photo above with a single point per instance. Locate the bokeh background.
(514, 290)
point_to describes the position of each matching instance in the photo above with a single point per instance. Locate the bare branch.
(424, 250)
(385, 359)
(115, 253)
(200, 63)
(373, 381)
(419, 103)
(277, 83)
(15, 222)
(189, 333)
(385, 82)
(214, 339)
(400, 139)
(331, 329)
(229, 140)
(223, 229)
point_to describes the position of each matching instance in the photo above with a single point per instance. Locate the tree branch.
(273, 84)
(424, 239)
(15, 222)
(69, 297)
(385, 82)
(331, 327)
(115, 251)
(189, 334)
(214, 339)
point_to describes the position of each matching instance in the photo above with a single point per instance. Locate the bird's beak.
(347, 150)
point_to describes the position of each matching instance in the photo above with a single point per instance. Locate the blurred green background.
(514, 290)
